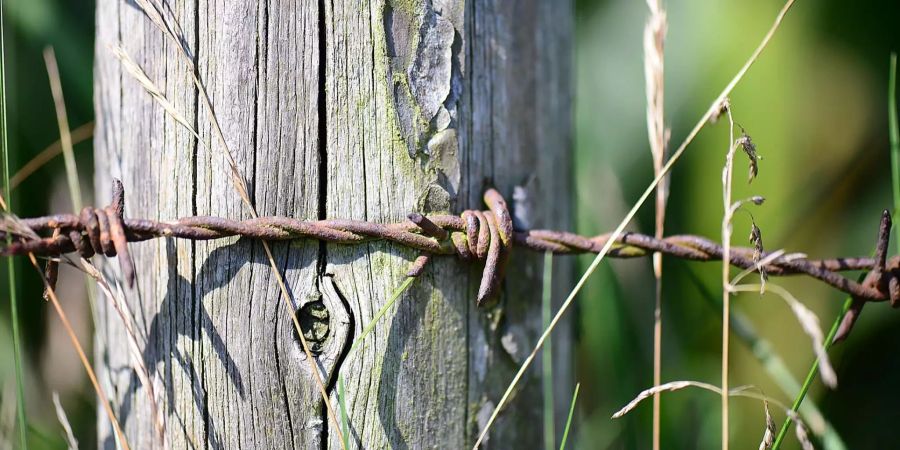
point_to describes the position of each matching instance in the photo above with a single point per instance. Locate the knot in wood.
(314, 321)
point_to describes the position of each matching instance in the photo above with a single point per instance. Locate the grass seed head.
(769, 436)
(749, 148)
(758, 250)
(723, 108)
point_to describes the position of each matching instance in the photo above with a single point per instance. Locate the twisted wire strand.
(474, 235)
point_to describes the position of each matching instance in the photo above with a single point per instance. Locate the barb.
(876, 278)
(476, 236)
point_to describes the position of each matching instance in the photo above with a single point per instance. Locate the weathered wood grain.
(334, 108)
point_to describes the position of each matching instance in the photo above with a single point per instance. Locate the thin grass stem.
(810, 375)
(726, 271)
(342, 404)
(381, 312)
(547, 354)
(565, 437)
(654, 65)
(79, 135)
(11, 269)
(62, 120)
(894, 136)
(66, 146)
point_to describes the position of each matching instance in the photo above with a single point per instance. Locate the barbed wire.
(483, 236)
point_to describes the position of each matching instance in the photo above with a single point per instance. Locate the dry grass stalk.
(136, 72)
(137, 360)
(678, 385)
(655, 390)
(730, 207)
(740, 391)
(84, 360)
(71, 442)
(654, 57)
(716, 104)
(79, 135)
(172, 33)
(727, 216)
(62, 120)
(66, 145)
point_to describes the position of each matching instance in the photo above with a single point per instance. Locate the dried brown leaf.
(667, 387)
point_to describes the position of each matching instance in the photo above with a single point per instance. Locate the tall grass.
(726, 269)
(562, 444)
(342, 403)
(620, 228)
(654, 65)
(547, 355)
(894, 136)
(11, 269)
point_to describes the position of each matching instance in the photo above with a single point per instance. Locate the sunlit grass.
(342, 397)
(381, 312)
(342, 403)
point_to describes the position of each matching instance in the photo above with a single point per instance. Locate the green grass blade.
(342, 403)
(811, 375)
(547, 355)
(11, 270)
(894, 134)
(562, 444)
(381, 312)
(345, 425)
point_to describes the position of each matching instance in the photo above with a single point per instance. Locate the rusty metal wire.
(484, 236)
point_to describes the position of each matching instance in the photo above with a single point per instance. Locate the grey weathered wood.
(346, 109)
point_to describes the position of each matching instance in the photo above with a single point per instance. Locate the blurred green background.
(815, 104)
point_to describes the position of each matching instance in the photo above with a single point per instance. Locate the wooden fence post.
(358, 109)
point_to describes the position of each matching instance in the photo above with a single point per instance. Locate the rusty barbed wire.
(486, 236)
